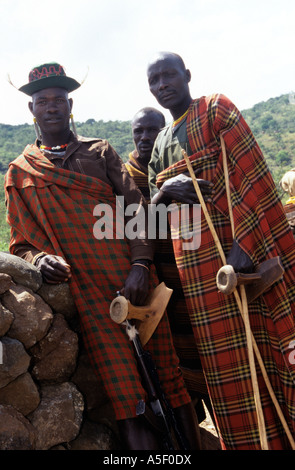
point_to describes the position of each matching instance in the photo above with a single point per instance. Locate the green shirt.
(167, 151)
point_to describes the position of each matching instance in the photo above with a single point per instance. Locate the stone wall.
(49, 395)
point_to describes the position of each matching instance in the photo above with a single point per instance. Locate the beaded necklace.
(175, 123)
(58, 147)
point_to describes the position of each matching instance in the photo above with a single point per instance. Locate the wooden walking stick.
(238, 300)
(245, 315)
(257, 400)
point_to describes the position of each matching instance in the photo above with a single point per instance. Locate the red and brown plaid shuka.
(178, 316)
(262, 231)
(52, 209)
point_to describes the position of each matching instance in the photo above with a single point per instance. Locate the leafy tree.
(282, 158)
(268, 122)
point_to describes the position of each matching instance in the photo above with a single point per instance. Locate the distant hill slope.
(14, 138)
(272, 122)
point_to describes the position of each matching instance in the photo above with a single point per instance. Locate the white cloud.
(242, 49)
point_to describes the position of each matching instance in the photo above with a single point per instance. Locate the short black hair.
(166, 55)
(150, 110)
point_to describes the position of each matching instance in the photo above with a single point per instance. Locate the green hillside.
(272, 122)
(14, 138)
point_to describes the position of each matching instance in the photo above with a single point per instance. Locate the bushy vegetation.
(272, 122)
(14, 138)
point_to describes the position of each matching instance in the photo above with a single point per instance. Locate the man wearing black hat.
(54, 192)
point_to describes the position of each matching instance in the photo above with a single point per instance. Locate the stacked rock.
(49, 395)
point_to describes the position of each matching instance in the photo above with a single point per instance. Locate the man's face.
(52, 108)
(145, 129)
(168, 82)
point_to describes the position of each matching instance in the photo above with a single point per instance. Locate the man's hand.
(239, 260)
(180, 188)
(54, 269)
(136, 286)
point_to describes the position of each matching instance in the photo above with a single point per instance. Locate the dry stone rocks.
(59, 298)
(32, 316)
(20, 271)
(22, 393)
(59, 415)
(16, 432)
(15, 360)
(55, 356)
(49, 395)
(6, 319)
(5, 282)
(94, 436)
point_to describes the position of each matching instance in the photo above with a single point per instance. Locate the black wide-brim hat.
(48, 76)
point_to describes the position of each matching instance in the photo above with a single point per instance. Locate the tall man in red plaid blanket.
(261, 232)
(53, 189)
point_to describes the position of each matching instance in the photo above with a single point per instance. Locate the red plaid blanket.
(52, 209)
(262, 231)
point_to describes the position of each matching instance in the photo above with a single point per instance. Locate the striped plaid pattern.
(262, 231)
(138, 174)
(290, 214)
(167, 272)
(52, 209)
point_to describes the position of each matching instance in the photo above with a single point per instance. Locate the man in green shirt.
(261, 232)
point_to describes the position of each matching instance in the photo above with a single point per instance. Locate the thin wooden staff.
(245, 315)
(238, 300)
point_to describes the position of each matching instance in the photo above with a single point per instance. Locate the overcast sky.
(244, 49)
